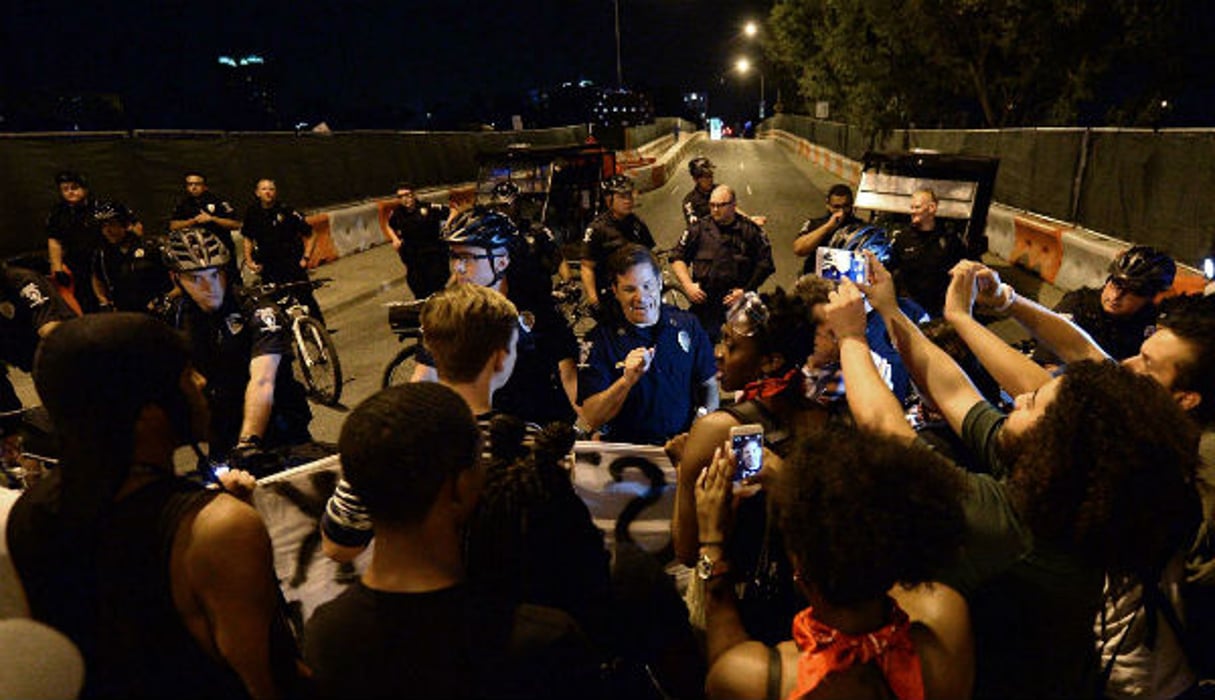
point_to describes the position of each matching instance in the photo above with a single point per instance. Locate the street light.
(619, 72)
(743, 66)
(751, 29)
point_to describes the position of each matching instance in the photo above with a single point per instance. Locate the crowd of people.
(939, 514)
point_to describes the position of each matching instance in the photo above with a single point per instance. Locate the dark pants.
(282, 274)
(426, 274)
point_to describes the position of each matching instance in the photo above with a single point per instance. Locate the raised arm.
(872, 404)
(931, 368)
(973, 283)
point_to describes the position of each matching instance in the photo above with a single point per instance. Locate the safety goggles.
(748, 315)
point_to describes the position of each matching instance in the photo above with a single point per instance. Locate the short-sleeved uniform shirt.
(74, 227)
(1120, 337)
(419, 231)
(663, 402)
(222, 344)
(723, 257)
(920, 262)
(1031, 603)
(27, 302)
(279, 232)
(606, 235)
(131, 272)
(849, 223)
(190, 207)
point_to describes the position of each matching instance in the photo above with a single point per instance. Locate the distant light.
(1164, 104)
(301, 125)
(743, 65)
(585, 83)
(751, 29)
(251, 60)
(695, 96)
(227, 61)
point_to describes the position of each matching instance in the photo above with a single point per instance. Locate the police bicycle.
(318, 364)
(405, 320)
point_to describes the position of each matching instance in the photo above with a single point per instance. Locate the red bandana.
(771, 386)
(826, 650)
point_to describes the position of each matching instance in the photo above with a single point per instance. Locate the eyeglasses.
(467, 258)
(1128, 286)
(721, 205)
(748, 315)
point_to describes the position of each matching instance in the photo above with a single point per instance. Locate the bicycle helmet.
(106, 211)
(482, 229)
(503, 193)
(871, 238)
(193, 248)
(66, 176)
(1143, 270)
(617, 184)
(700, 167)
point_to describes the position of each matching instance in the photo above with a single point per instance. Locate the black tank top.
(109, 591)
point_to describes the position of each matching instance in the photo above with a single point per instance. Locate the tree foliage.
(884, 64)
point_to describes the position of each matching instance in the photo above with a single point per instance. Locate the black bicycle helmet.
(105, 211)
(617, 184)
(482, 229)
(503, 193)
(700, 167)
(193, 248)
(1143, 270)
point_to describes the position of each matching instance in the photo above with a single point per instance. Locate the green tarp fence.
(1149, 187)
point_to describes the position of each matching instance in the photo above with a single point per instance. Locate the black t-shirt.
(222, 344)
(27, 302)
(419, 231)
(279, 232)
(451, 643)
(696, 205)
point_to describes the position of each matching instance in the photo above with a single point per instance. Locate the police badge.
(685, 341)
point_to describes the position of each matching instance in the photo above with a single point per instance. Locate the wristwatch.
(708, 568)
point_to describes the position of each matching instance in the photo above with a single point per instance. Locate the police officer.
(543, 386)
(696, 202)
(30, 308)
(650, 367)
(202, 207)
(72, 235)
(833, 225)
(128, 273)
(729, 255)
(538, 256)
(278, 243)
(414, 229)
(241, 344)
(613, 228)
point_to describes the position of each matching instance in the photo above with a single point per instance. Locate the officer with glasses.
(544, 385)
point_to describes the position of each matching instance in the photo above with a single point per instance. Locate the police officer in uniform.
(728, 255)
(415, 228)
(202, 207)
(30, 309)
(696, 202)
(614, 227)
(127, 273)
(484, 247)
(538, 256)
(278, 244)
(72, 235)
(241, 344)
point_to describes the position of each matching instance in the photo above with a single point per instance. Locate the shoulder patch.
(266, 319)
(32, 295)
(586, 237)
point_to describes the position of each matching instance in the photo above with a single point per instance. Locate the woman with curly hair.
(764, 343)
(1090, 473)
(859, 513)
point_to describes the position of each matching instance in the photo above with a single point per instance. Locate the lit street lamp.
(743, 66)
(750, 29)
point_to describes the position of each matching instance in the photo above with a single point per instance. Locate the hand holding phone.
(747, 442)
(836, 264)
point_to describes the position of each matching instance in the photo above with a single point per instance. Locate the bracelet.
(717, 543)
(249, 441)
(1010, 295)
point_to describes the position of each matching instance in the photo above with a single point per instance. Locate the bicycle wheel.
(400, 369)
(318, 362)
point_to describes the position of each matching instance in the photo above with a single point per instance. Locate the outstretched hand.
(845, 311)
(880, 291)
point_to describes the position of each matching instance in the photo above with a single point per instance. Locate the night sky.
(389, 59)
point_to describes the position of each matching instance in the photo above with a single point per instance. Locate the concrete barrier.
(653, 175)
(1062, 254)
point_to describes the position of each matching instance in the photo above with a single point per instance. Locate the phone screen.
(748, 455)
(836, 264)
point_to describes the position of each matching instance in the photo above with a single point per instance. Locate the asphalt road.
(767, 179)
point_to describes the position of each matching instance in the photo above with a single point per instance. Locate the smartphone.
(837, 264)
(747, 442)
